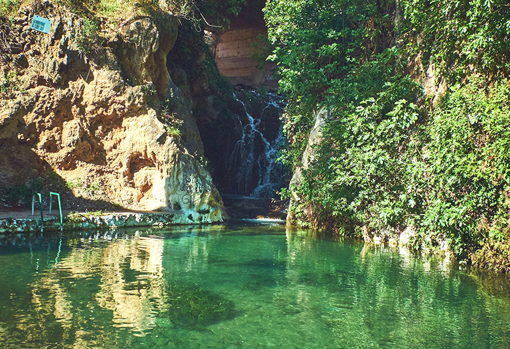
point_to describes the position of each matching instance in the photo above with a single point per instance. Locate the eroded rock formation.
(109, 122)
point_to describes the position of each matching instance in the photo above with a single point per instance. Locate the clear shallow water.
(246, 285)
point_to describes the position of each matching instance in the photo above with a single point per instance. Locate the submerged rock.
(192, 308)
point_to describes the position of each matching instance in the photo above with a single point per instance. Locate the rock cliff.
(240, 51)
(315, 137)
(104, 121)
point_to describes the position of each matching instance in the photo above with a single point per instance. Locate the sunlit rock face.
(95, 116)
(237, 49)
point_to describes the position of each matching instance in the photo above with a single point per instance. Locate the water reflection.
(96, 279)
(242, 285)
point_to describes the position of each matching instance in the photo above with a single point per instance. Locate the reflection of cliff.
(101, 290)
(289, 291)
(131, 282)
(122, 280)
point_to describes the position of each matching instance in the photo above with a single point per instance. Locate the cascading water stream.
(254, 157)
(268, 166)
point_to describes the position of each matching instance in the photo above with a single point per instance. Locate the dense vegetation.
(102, 16)
(418, 133)
(196, 11)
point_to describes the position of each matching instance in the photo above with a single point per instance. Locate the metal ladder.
(41, 208)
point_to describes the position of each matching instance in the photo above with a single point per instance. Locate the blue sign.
(41, 24)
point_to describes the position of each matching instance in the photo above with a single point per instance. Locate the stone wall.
(94, 221)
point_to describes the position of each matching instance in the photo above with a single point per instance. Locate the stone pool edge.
(111, 220)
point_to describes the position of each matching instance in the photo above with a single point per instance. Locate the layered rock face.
(235, 56)
(110, 122)
(239, 50)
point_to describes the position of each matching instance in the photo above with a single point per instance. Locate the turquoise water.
(243, 285)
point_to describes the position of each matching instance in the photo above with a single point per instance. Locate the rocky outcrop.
(314, 139)
(106, 119)
(236, 56)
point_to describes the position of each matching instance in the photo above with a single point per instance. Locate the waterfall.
(252, 164)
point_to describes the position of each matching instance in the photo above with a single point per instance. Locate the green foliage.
(22, 194)
(460, 37)
(109, 8)
(98, 14)
(261, 48)
(88, 188)
(90, 40)
(19, 194)
(173, 124)
(91, 188)
(210, 12)
(469, 164)
(9, 7)
(389, 158)
(493, 254)
(338, 57)
(191, 53)
(174, 132)
(74, 184)
(36, 184)
(9, 82)
(263, 91)
(318, 45)
(74, 218)
(362, 171)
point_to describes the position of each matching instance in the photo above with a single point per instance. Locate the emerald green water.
(244, 285)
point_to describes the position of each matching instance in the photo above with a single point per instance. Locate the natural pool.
(242, 285)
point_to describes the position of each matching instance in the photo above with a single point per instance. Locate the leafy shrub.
(9, 7)
(22, 194)
(9, 82)
(493, 254)
(90, 40)
(174, 132)
(74, 184)
(469, 164)
(459, 37)
(389, 158)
